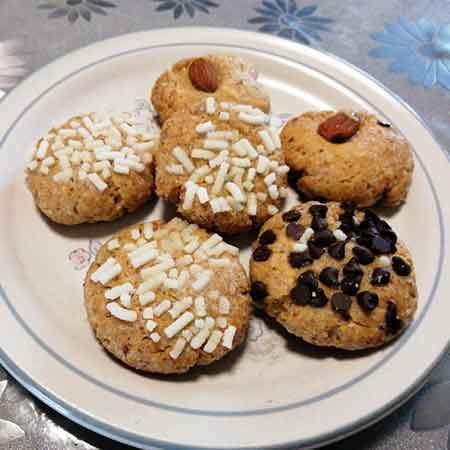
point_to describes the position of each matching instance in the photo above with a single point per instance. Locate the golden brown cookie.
(164, 297)
(366, 164)
(334, 276)
(226, 78)
(222, 167)
(94, 167)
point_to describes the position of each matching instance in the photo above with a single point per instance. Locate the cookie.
(226, 78)
(334, 276)
(93, 167)
(222, 167)
(164, 297)
(344, 157)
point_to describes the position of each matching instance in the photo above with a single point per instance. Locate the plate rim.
(338, 433)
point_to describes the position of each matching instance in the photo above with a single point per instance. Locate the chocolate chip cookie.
(334, 276)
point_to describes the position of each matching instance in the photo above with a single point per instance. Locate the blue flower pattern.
(419, 49)
(73, 9)
(189, 6)
(285, 19)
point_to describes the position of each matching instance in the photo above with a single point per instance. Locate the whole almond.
(203, 75)
(338, 128)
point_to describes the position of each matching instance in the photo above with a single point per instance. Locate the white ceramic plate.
(274, 392)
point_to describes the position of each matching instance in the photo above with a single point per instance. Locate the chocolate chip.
(319, 299)
(365, 238)
(371, 216)
(295, 231)
(267, 238)
(301, 294)
(293, 176)
(400, 266)
(314, 250)
(341, 303)
(309, 279)
(330, 277)
(350, 286)
(363, 255)
(318, 210)
(324, 238)
(300, 259)
(352, 269)
(262, 253)
(382, 225)
(258, 291)
(348, 206)
(383, 124)
(291, 216)
(393, 323)
(380, 277)
(337, 250)
(318, 223)
(368, 227)
(382, 246)
(367, 300)
(389, 235)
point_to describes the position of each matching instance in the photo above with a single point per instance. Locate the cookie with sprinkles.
(348, 157)
(222, 167)
(226, 78)
(164, 297)
(94, 167)
(334, 275)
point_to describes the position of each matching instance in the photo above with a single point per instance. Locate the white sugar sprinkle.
(267, 140)
(251, 118)
(339, 235)
(155, 337)
(221, 322)
(263, 164)
(97, 182)
(204, 127)
(308, 233)
(224, 305)
(183, 158)
(191, 190)
(175, 327)
(177, 348)
(121, 313)
(299, 247)
(150, 325)
(117, 291)
(224, 116)
(200, 306)
(228, 337)
(210, 105)
(384, 261)
(252, 204)
(199, 339)
(213, 341)
(147, 313)
(215, 144)
(235, 191)
(146, 298)
(161, 308)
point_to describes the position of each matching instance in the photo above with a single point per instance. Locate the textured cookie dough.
(236, 83)
(379, 284)
(376, 164)
(164, 297)
(222, 167)
(93, 167)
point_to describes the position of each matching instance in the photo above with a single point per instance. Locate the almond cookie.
(348, 158)
(164, 297)
(94, 167)
(222, 167)
(334, 276)
(226, 78)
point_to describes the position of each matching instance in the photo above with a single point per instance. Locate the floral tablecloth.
(403, 43)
